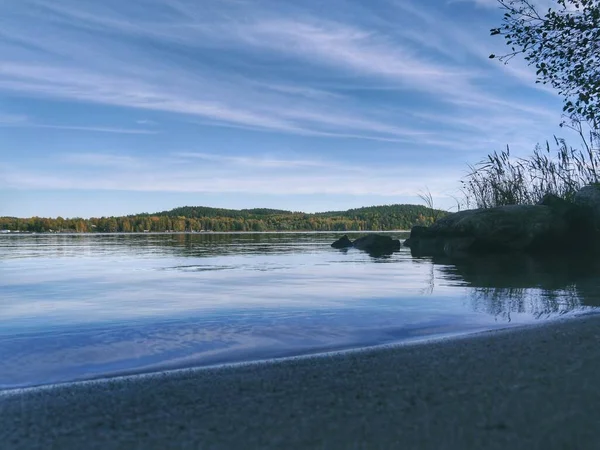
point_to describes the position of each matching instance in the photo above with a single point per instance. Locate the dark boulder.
(377, 244)
(516, 228)
(416, 232)
(558, 204)
(342, 242)
(374, 244)
(588, 200)
(582, 220)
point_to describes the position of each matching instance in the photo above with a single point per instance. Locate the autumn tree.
(564, 46)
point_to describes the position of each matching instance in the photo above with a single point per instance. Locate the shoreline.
(326, 352)
(134, 374)
(521, 387)
(110, 233)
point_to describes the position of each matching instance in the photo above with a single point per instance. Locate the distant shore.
(202, 232)
(532, 387)
(207, 219)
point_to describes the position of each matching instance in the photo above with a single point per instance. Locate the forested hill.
(382, 210)
(199, 218)
(204, 211)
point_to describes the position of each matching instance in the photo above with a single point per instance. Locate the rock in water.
(377, 244)
(342, 242)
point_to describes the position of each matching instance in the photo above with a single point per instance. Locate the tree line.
(188, 219)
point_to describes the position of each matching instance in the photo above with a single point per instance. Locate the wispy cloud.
(454, 40)
(101, 160)
(13, 119)
(162, 176)
(238, 101)
(541, 5)
(79, 128)
(79, 85)
(23, 121)
(383, 91)
(264, 162)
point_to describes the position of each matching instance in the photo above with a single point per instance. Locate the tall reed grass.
(501, 179)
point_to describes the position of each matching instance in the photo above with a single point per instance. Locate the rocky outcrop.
(374, 244)
(588, 198)
(552, 226)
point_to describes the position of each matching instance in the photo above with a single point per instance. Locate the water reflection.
(173, 244)
(507, 284)
(81, 306)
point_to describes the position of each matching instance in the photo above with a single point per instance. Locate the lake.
(83, 306)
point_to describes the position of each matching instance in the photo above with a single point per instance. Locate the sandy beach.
(535, 387)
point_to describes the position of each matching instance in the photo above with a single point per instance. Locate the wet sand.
(535, 387)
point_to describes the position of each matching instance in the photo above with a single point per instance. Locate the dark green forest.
(199, 218)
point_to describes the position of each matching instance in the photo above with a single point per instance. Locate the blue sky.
(116, 107)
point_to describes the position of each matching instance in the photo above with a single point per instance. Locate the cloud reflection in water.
(85, 306)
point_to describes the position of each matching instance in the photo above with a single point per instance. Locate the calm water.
(83, 306)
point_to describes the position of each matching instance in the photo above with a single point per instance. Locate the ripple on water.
(76, 307)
